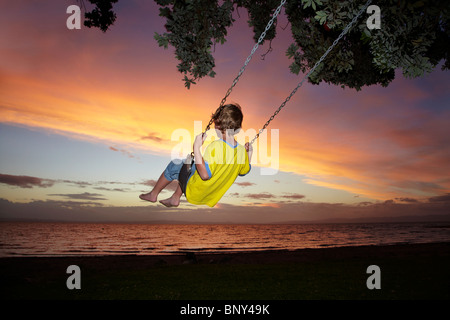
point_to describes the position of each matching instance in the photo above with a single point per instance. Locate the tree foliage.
(102, 16)
(414, 36)
(192, 29)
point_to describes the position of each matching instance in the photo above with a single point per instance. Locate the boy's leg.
(152, 196)
(174, 200)
(171, 173)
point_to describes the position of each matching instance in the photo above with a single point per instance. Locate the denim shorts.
(173, 169)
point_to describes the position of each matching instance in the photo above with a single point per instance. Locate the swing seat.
(185, 173)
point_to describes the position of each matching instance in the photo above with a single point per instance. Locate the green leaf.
(306, 3)
(163, 40)
(290, 52)
(294, 68)
(321, 16)
(188, 82)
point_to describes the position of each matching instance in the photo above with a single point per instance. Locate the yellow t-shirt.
(224, 162)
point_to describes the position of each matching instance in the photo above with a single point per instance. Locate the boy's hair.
(230, 117)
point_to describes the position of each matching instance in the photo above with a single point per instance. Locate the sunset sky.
(89, 120)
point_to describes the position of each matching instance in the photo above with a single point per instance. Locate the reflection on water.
(48, 239)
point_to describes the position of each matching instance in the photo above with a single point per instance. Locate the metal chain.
(312, 69)
(247, 61)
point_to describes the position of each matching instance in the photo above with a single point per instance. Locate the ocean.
(66, 239)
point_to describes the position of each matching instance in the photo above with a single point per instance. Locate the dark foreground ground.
(420, 271)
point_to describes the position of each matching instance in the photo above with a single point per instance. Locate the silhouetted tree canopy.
(414, 36)
(102, 16)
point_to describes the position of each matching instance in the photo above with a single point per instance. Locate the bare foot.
(148, 197)
(170, 202)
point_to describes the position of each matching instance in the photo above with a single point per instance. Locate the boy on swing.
(214, 172)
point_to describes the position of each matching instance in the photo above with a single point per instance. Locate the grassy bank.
(406, 273)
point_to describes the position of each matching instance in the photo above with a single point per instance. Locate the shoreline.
(236, 252)
(246, 257)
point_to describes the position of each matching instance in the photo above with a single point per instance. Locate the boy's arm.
(249, 149)
(199, 162)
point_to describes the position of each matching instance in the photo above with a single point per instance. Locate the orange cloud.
(371, 149)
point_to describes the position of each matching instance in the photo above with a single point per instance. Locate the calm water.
(62, 239)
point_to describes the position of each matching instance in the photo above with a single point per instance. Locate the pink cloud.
(245, 184)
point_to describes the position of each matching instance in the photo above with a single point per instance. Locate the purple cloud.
(25, 181)
(81, 196)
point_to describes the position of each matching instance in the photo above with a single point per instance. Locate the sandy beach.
(410, 271)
